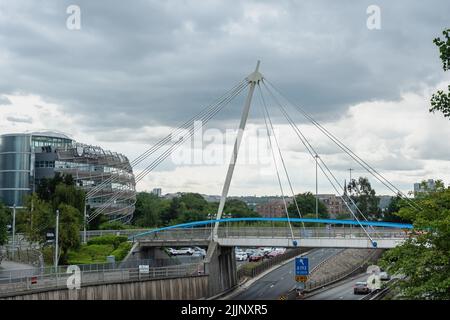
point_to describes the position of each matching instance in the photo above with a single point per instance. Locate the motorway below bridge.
(281, 280)
(342, 291)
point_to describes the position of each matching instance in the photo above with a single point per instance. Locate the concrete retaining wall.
(187, 288)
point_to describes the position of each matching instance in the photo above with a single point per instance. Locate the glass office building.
(106, 177)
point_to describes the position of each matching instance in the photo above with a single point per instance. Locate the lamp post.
(211, 217)
(14, 230)
(227, 216)
(56, 241)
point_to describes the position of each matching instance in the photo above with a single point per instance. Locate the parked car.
(249, 252)
(185, 251)
(257, 256)
(361, 288)
(384, 276)
(198, 254)
(172, 251)
(242, 256)
(200, 250)
(273, 254)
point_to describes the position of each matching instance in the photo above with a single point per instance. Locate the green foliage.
(113, 240)
(238, 209)
(307, 205)
(97, 249)
(69, 229)
(365, 198)
(94, 253)
(149, 208)
(122, 250)
(4, 220)
(393, 209)
(444, 49)
(440, 101)
(424, 259)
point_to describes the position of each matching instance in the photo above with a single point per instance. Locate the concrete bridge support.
(221, 269)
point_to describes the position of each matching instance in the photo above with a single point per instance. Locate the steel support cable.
(192, 131)
(279, 153)
(348, 151)
(166, 153)
(161, 158)
(166, 139)
(312, 152)
(278, 174)
(298, 131)
(320, 159)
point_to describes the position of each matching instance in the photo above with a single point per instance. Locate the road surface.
(344, 291)
(281, 280)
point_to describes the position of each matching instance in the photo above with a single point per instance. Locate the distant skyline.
(134, 72)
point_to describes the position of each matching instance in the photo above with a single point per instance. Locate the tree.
(424, 258)
(440, 101)
(70, 221)
(173, 211)
(394, 207)
(148, 209)
(238, 209)
(307, 206)
(365, 198)
(4, 220)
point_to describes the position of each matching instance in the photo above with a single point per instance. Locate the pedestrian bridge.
(336, 234)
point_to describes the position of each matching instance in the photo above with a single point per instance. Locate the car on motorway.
(361, 288)
(257, 256)
(384, 276)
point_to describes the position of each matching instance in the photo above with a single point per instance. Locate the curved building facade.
(107, 177)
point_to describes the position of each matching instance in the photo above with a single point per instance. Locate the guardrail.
(269, 262)
(314, 284)
(60, 280)
(380, 294)
(22, 255)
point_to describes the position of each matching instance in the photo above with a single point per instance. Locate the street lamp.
(227, 216)
(211, 217)
(56, 241)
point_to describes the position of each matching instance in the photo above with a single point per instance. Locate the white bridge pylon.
(253, 79)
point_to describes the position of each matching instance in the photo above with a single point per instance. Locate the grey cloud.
(4, 101)
(140, 64)
(24, 119)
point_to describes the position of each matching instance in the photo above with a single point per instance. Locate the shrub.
(121, 252)
(108, 239)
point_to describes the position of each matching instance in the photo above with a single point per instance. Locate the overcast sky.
(136, 70)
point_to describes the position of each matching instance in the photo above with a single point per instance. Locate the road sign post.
(301, 269)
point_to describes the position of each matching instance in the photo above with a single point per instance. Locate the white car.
(185, 251)
(384, 276)
(199, 252)
(241, 256)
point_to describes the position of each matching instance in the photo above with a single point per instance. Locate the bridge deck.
(277, 237)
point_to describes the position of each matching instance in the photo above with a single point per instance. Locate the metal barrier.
(28, 256)
(314, 284)
(59, 280)
(268, 263)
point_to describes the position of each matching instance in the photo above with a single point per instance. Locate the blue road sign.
(301, 266)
